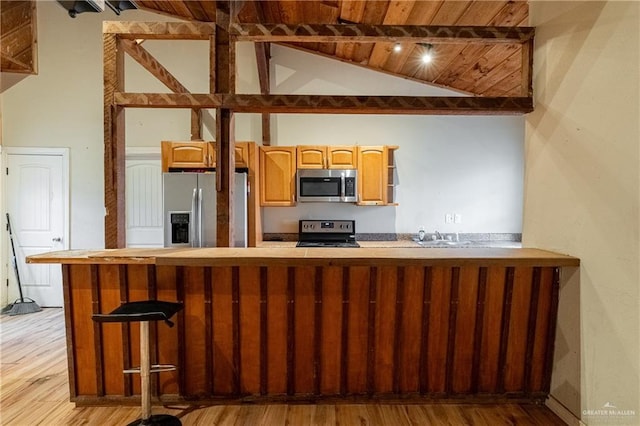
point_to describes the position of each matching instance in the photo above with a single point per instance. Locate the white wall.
(62, 106)
(472, 166)
(582, 197)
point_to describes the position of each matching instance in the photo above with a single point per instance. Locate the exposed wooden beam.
(114, 145)
(159, 30)
(266, 129)
(167, 100)
(224, 83)
(426, 105)
(378, 33)
(329, 104)
(262, 59)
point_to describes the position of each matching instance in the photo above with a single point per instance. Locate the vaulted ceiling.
(482, 69)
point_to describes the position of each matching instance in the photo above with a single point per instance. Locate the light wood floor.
(34, 391)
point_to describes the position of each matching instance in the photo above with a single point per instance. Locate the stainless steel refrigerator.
(189, 206)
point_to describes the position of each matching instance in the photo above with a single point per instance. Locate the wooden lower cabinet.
(287, 331)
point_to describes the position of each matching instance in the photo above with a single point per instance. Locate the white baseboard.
(563, 412)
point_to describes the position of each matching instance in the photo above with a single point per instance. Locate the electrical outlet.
(448, 218)
(457, 218)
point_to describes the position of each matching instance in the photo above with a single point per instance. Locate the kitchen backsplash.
(516, 237)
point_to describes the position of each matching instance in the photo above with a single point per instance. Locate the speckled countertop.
(403, 244)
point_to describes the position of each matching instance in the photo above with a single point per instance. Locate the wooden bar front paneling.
(223, 346)
(276, 344)
(290, 331)
(249, 304)
(330, 348)
(410, 331)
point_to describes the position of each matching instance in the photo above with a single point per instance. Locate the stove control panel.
(327, 226)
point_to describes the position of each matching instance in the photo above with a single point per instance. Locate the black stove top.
(327, 233)
(327, 244)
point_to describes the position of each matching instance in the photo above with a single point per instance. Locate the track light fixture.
(74, 7)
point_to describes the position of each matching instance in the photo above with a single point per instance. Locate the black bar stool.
(143, 312)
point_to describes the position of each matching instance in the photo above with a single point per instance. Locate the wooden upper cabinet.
(242, 154)
(199, 155)
(342, 157)
(311, 157)
(373, 175)
(187, 155)
(277, 175)
(326, 157)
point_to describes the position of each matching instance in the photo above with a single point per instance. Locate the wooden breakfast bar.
(285, 324)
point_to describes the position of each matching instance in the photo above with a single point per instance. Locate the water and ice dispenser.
(179, 225)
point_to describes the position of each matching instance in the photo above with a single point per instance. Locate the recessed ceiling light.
(397, 47)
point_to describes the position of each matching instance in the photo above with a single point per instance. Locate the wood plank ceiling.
(473, 68)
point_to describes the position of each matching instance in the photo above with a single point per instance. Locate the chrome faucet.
(439, 236)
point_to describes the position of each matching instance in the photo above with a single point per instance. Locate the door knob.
(56, 239)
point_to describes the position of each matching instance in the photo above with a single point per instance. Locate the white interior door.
(37, 188)
(143, 188)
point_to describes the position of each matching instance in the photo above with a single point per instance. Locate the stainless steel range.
(327, 233)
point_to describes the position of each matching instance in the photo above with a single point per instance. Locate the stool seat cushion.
(144, 310)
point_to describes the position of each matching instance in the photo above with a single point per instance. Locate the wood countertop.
(311, 256)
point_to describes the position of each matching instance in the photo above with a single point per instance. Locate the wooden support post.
(196, 124)
(114, 144)
(223, 79)
(225, 177)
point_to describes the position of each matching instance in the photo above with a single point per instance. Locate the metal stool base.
(158, 419)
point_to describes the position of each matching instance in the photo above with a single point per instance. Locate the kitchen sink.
(444, 243)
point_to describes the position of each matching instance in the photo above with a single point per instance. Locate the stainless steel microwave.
(327, 185)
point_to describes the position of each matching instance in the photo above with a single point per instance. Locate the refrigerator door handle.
(200, 224)
(192, 225)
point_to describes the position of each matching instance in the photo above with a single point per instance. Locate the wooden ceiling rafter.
(379, 33)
